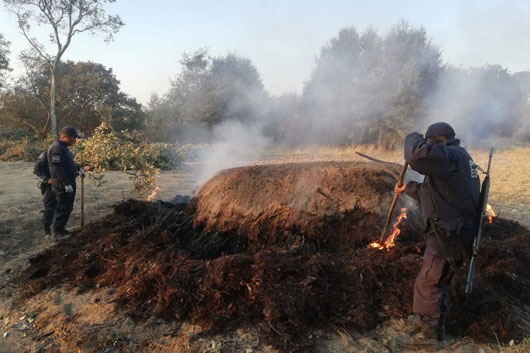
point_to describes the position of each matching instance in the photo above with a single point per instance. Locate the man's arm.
(411, 188)
(431, 160)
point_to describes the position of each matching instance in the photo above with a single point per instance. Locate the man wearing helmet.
(59, 197)
(449, 197)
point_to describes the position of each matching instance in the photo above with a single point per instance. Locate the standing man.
(59, 198)
(449, 197)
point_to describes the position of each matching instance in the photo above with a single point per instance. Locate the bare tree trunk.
(53, 91)
(380, 137)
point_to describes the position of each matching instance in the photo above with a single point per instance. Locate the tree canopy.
(368, 87)
(207, 91)
(88, 94)
(479, 102)
(66, 19)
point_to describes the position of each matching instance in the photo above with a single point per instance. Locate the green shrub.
(109, 150)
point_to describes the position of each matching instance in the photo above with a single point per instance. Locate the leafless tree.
(4, 61)
(65, 18)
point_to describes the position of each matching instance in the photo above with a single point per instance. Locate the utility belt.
(448, 235)
(449, 229)
(43, 184)
(55, 184)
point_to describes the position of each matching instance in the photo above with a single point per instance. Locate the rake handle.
(393, 205)
(82, 202)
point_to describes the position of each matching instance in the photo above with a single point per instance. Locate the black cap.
(70, 131)
(440, 129)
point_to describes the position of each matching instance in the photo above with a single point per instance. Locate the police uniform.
(449, 197)
(58, 204)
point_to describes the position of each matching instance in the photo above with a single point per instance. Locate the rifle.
(483, 201)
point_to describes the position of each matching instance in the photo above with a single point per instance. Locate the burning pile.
(207, 262)
(329, 204)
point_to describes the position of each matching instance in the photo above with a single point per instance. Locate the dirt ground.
(21, 238)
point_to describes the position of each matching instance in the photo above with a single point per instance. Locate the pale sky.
(282, 38)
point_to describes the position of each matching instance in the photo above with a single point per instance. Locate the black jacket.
(61, 163)
(451, 188)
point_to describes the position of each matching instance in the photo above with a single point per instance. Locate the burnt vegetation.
(161, 264)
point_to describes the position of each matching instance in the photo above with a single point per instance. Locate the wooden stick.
(372, 158)
(82, 202)
(393, 205)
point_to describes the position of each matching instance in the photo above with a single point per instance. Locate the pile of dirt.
(221, 278)
(325, 202)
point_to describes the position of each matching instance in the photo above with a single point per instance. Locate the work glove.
(82, 173)
(69, 188)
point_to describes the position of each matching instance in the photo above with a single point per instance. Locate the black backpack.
(41, 165)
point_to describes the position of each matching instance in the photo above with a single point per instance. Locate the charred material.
(164, 261)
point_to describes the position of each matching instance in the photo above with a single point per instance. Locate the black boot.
(60, 232)
(440, 328)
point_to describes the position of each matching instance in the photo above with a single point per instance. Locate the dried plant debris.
(287, 285)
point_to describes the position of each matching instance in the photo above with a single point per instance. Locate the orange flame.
(389, 242)
(153, 194)
(489, 213)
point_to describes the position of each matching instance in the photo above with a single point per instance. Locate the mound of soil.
(330, 204)
(160, 265)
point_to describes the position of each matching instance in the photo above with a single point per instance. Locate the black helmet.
(70, 131)
(440, 129)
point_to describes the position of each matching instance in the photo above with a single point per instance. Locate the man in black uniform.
(59, 197)
(449, 197)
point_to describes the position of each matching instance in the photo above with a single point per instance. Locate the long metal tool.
(393, 205)
(483, 202)
(82, 201)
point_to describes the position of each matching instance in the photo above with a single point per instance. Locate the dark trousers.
(430, 290)
(57, 209)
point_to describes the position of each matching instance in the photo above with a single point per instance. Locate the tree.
(88, 94)
(368, 88)
(238, 90)
(480, 102)
(207, 92)
(4, 60)
(66, 19)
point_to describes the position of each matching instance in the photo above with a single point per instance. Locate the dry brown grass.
(510, 182)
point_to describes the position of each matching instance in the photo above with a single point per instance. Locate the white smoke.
(479, 103)
(234, 144)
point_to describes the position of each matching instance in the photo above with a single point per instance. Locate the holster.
(447, 234)
(447, 230)
(58, 189)
(42, 185)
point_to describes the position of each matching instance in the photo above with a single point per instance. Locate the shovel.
(394, 201)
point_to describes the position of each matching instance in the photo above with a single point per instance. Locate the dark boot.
(440, 328)
(420, 337)
(60, 232)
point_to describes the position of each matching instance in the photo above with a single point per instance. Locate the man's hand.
(82, 173)
(69, 188)
(400, 188)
